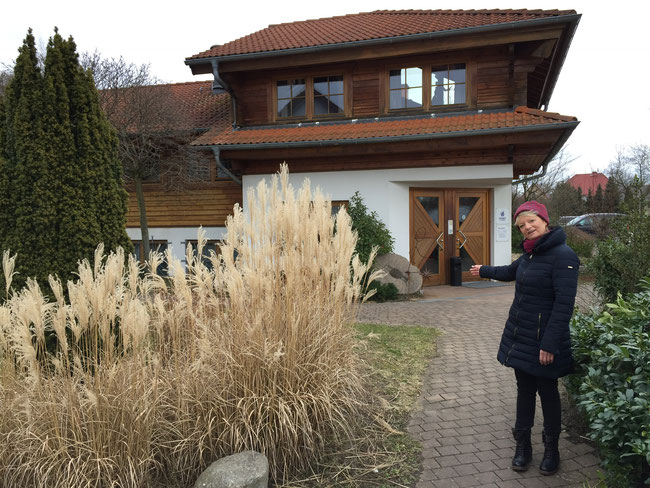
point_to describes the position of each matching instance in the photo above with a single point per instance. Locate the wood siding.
(206, 206)
(497, 77)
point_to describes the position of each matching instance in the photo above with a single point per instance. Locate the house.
(430, 115)
(588, 182)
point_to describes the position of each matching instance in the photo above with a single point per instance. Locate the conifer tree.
(62, 182)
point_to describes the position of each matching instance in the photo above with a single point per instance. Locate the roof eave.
(558, 61)
(568, 128)
(571, 19)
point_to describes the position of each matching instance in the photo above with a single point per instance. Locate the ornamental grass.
(130, 379)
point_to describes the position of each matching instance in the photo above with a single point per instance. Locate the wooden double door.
(446, 223)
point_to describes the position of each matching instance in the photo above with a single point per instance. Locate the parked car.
(593, 223)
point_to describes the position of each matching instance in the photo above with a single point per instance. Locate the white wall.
(387, 193)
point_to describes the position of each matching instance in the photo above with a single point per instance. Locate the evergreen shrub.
(612, 384)
(582, 243)
(383, 291)
(623, 259)
(371, 231)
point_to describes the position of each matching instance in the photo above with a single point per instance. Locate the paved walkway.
(467, 406)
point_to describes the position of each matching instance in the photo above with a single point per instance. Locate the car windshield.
(575, 220)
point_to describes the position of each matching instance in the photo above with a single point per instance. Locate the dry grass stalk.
(151, 379)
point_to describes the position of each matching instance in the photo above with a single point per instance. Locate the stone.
(248, 469)
(399, 272)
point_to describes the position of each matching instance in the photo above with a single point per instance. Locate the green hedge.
(612, 384)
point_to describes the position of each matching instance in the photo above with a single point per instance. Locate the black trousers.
(528, 386)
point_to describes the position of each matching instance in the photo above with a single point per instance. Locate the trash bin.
(455, 272)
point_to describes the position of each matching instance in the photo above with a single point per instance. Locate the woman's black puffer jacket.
(545, 290)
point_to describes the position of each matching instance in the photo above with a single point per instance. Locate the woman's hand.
(545, 357)
(475, 269)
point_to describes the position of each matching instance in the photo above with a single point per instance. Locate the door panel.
(471, 223)
(427, 236)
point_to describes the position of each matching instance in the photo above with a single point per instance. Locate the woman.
(536, 340)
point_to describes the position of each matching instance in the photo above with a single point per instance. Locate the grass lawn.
(382, 454)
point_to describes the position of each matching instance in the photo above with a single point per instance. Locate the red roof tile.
(384, 128)
(193, 104)
(588, 182)
(367, 26)
(196, 106)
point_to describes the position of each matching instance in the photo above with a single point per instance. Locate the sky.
(604, 81)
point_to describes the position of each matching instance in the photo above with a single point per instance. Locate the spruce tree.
(62, 182)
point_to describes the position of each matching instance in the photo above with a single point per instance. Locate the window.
(306, 98)
(291, 98)
(337, 204)
(211, 246)
(448, 85)
(406, 88)
(157, 246)
(328, 95)
(427, 87)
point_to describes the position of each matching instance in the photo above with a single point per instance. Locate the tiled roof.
(422, 126)
(588, 182)
(189, 106)
(196, 107)
(368, 26)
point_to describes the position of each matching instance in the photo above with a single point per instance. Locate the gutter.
(217, 156)
(568, 127)
(225, 86)
(562, 19)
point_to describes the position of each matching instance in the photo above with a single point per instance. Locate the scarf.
(530, 245)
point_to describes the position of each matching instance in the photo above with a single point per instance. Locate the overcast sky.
(604, 81)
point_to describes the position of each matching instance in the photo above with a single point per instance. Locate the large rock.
(248, 469)
(399, 272)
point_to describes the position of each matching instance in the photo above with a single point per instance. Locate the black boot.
(551, 460)
(523, 450)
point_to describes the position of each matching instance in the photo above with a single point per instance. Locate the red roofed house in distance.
(429, 114)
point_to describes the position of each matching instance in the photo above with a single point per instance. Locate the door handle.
(460, 246)
(439, 243)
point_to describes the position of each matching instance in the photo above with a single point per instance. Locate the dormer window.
(310, 97)
(328, 95)
(406, 88)
(291, 98)
(448, 85)
(427, 87)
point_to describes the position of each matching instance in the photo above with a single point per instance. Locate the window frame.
(426, 68)
(154, 245)
(309, 96)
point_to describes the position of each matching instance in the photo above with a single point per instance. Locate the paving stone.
(466, 409)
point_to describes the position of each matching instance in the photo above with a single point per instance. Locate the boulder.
(248, 469)
(399, 272)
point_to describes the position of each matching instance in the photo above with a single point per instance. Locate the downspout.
(226, 86)
(217, 156)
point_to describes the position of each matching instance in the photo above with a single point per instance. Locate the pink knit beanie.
(533, 206)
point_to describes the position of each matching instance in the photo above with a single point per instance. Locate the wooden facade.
(205, 205)
(497, 77)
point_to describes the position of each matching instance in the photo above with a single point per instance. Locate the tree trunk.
(142, 210)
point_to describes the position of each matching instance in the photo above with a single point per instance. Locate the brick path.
(466, 409)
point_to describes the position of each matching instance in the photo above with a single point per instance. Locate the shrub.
(152, 380)
(624, 258)
(383, 291)
(612, 384)
(582, 243)
(371, 231)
